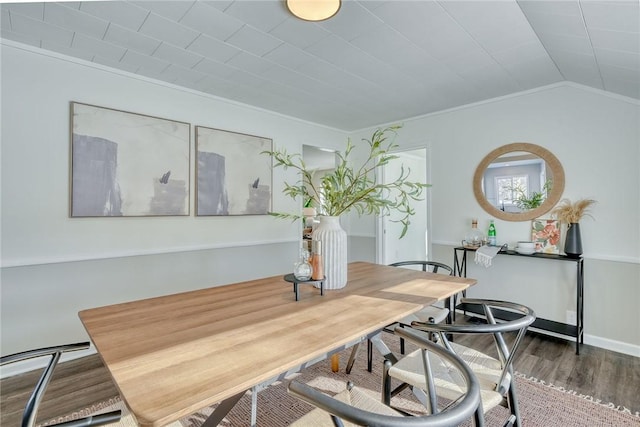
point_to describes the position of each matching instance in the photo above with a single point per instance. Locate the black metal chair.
(428, 314)
(31, 409)
(356, 406)
(495, 375)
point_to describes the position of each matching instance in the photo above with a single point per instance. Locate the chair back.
(519, 318)
(467, 406)
(31, 409)
(431, 266)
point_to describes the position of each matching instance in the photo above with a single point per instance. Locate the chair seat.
(410, 370)
(355, 397)
(488, 369)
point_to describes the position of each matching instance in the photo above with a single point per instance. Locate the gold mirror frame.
(552, 198)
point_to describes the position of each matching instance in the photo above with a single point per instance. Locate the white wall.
(596, 137)
(53, 266)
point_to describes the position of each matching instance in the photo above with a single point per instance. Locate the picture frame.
(545, 233)
(233, 177)
(128, 164)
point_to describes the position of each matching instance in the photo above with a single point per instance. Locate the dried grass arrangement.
(571, 213)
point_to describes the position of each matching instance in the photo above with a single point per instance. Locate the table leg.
(254, 407)
(352, 357)
(579, 305)
(222, 410)
(295, 289)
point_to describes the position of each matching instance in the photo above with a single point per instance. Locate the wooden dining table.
(173, 355)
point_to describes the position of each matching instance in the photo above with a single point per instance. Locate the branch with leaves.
(348, 187)
(525, 202)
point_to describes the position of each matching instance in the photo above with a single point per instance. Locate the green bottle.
(492, 234)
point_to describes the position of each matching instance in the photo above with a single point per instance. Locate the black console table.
(577, 331)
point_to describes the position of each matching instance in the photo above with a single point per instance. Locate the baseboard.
(613, 345)
(604, 343)
(18, 368)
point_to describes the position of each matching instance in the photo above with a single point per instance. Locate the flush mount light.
(314, 10)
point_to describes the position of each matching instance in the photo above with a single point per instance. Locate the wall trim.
(28, 262)
(363, 235)
(596, 256)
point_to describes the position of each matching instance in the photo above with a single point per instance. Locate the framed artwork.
(232, 176)
(127, 164)
(545, 233)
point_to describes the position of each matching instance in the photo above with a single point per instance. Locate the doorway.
(320, 160)
(414, 246)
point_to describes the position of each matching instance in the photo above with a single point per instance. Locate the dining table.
(174, 355)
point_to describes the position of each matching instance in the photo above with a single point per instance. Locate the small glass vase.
(474, 237)
(302, 269)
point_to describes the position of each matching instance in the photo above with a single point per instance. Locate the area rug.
(541, 404)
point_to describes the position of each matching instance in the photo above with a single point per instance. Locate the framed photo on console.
(545, 233)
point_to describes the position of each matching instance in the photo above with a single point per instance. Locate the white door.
(414, 245)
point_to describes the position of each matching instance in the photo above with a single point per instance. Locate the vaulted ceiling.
(374, 62)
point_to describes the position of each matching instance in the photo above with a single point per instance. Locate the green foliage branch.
(535, 200)
(350, 187)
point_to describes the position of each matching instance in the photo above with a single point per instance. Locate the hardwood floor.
(75, 385)
(603, 374)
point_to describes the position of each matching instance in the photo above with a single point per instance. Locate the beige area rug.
(541, 404)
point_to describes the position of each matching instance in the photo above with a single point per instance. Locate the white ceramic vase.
(334, 251)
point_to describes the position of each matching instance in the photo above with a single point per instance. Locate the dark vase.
(573, 242)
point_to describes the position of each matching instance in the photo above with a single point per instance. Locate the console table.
(577, 331)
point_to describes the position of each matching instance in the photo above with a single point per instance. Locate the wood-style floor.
(606, 375)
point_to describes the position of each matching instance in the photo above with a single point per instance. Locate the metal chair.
(31, 409)
(428, 314)
(494, 375)
(357, 407)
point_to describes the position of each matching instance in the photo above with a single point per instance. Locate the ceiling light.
(314, 10)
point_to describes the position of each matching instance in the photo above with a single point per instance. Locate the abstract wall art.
(232, 176)
(127, 164)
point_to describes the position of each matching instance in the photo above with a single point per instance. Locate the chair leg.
(337, 422)
(478, 418)
(512, 400)
(386, 383)
(401, 341)
(369, 356)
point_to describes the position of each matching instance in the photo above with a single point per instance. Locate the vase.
(573, 242)
(334, 251)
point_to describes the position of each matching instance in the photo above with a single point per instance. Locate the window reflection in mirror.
(517, 182)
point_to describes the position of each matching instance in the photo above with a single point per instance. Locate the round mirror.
(518, 182)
